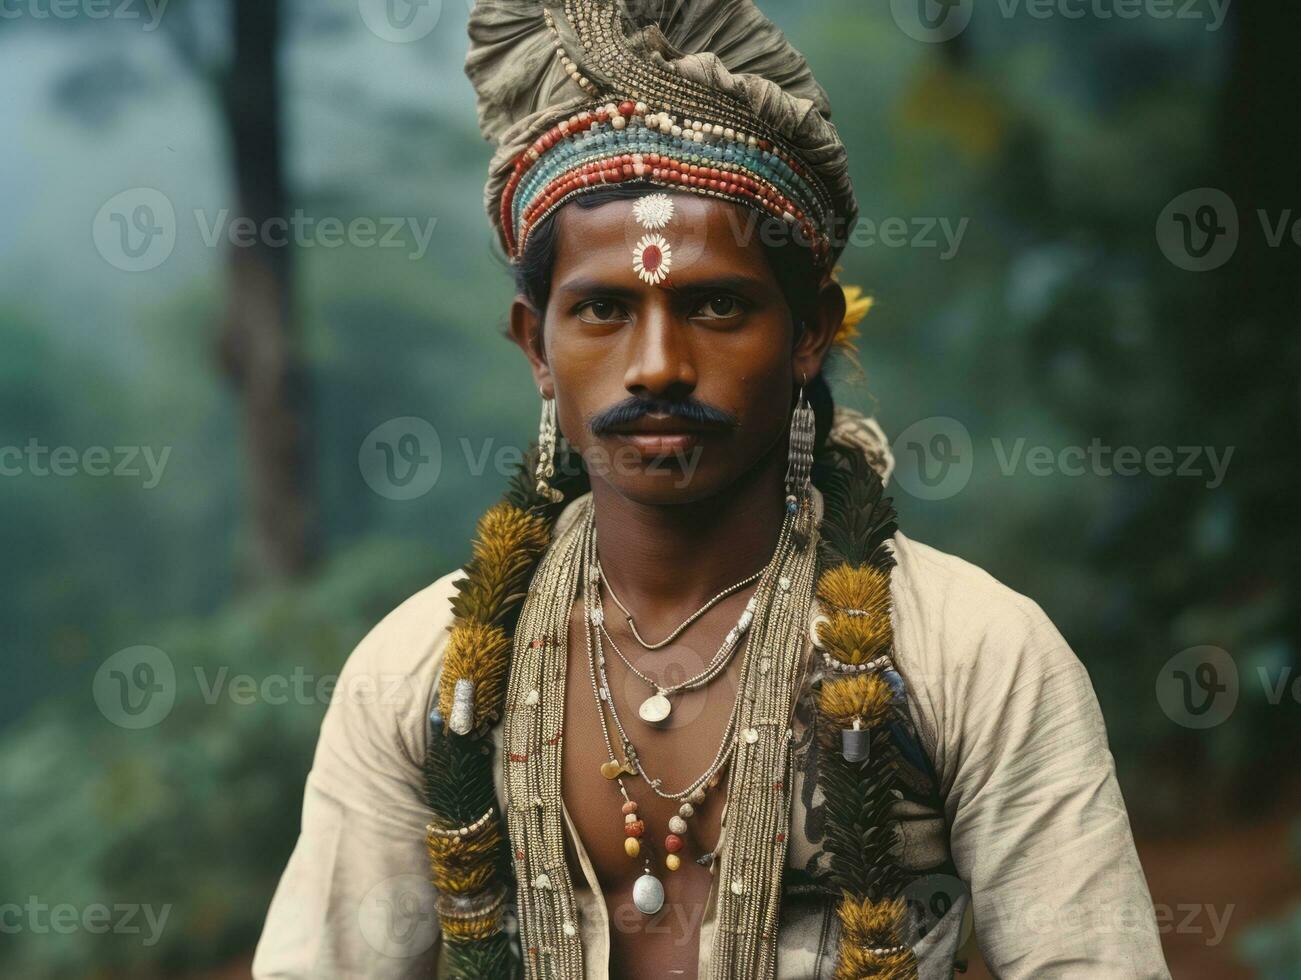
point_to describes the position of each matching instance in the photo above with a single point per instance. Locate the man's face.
(714, 340)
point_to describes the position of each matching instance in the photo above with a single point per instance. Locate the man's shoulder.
(950, 610)
(409, 639)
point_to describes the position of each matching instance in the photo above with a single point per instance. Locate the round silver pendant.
(648, 894)
(655, 709)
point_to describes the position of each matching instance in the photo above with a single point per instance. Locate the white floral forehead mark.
(652, 257)
(653, 211)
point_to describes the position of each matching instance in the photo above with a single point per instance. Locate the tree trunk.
(259, 346)
(1256, 338)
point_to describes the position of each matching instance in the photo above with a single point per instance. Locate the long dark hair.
(791, 262)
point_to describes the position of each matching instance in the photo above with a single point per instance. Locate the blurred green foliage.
(199, 812)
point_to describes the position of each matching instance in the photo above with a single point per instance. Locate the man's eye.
(601, 311)
(721, 308)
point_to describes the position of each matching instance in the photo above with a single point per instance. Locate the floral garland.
(856, 698)
(466, 840)
(467, 843)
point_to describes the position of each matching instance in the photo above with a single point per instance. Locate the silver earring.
(546, 468)
(799, 468)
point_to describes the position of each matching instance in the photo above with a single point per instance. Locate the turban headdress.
(702, 96)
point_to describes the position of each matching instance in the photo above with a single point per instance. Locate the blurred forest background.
(268, 537)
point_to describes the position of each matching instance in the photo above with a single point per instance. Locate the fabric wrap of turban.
(539, 64)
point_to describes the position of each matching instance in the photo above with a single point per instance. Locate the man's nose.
(662, 362)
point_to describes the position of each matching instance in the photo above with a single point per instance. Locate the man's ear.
(526, 332)
(815, 341)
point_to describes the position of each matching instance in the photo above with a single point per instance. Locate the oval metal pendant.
(655, 709)
(648, 894)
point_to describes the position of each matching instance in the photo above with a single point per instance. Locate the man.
(741, 726)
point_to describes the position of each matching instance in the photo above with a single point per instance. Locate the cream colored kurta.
(1031, 816)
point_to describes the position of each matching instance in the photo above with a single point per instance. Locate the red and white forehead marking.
(652, 258)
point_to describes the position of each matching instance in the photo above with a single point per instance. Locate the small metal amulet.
(855, 744)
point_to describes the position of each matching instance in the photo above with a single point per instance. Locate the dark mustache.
(634, 408)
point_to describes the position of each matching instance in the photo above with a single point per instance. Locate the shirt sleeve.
(1038, 827)
(355, 899)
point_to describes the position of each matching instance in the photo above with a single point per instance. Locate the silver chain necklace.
(632, 626)
(655, 710)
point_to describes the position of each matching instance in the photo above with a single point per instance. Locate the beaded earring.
(799, 468)
(546, 467)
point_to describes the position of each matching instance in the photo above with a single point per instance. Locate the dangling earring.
(546, 468)
(799, 468)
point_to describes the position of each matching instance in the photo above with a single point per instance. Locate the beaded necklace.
(473, 844)
(648, 892)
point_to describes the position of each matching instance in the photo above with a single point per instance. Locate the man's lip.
(660, 425)
(660, 443)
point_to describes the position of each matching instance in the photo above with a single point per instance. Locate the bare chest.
(676, 753)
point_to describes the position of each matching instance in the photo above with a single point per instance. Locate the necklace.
(748, 867)
(632, 626)
(656, 709)
(648, 890)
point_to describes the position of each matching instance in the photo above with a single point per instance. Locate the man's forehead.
(700, 230)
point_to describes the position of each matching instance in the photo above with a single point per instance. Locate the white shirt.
(1031, 813)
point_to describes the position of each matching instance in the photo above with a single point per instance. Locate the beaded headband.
(642, 110)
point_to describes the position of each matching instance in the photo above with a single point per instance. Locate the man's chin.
(659, 480)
